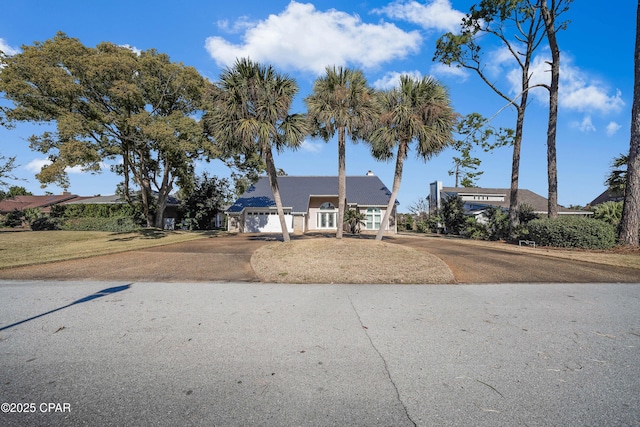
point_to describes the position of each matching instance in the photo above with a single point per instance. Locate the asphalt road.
(252, 354)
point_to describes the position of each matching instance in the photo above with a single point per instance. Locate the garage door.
(266, 222)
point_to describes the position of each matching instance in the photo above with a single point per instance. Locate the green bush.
(610, 212)
(95, 210)
(116, 225)
(13, 219)
(572, 232)
(44, 223)
(474, 229)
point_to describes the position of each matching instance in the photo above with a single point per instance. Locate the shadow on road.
(91, 297)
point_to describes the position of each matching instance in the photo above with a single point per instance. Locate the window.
(327, 215)
(374, 218)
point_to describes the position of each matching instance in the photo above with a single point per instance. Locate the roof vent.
(369, 173)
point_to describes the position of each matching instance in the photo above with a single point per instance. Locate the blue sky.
(384, 39)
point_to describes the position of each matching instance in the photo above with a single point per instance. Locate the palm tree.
(418, 110)
(617, 178)
(343, 102)
(354, 220)
(250, 113)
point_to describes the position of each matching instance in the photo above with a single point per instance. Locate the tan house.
(310, 204)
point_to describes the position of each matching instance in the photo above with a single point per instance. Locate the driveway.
(227, 258)
(473, 264)
(212, 259)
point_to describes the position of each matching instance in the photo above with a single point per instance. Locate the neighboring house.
(607, 196)
(43, 203)
(310, 204)
(477, 200)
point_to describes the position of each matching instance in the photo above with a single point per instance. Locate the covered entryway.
(266, 222)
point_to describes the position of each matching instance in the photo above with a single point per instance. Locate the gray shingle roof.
(295, 192)
(528, 197)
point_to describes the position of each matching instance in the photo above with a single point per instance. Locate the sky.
(383, 38)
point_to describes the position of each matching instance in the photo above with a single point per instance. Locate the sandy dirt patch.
(329, 260)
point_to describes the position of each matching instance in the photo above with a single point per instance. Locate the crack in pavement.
(384, 362)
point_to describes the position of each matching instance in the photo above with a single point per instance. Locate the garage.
(266, 222)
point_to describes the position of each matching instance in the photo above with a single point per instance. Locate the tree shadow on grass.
(145, 233)
(91, 297)
(156, 233)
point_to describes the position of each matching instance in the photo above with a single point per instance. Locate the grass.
(37, 247)
(347, 261)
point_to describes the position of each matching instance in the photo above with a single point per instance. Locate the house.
(607, 196)
(477, 200)
(43, 203)
(310, 204)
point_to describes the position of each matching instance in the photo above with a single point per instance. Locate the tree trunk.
(342, 180)
(631, 210)
(552, 169)
(273, 182)
(163, 196)
(397, 178)
(515, 167)
(145, 194)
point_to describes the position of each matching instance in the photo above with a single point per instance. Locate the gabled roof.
(607, 196)
(25, 202)
(295, 192)
(525, 197)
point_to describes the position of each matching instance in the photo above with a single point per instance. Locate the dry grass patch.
(329, 260)
(36, 247)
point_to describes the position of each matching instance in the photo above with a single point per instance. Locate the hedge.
(572, 232)
(117, 225)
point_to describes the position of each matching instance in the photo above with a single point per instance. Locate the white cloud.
(392, 79)
(6, 49)
(612, 128)
(303, 38)
(132, 49)
(36, 165)
(578, 91)
(433, 15)
(586, 125)
(312, 147)
(239, 25)
(450, 71)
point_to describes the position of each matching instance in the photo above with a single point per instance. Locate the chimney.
(369, 173)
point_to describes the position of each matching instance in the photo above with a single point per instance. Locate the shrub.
(13, 218)
(32, 214)
(572, 232)
(526, 213)
(452, 214)
(44, 223)
(498, 223)
(94, 210)
(610, 212)
(115, 224)
(474, 229)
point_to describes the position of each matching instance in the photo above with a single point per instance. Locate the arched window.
(327, 206)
